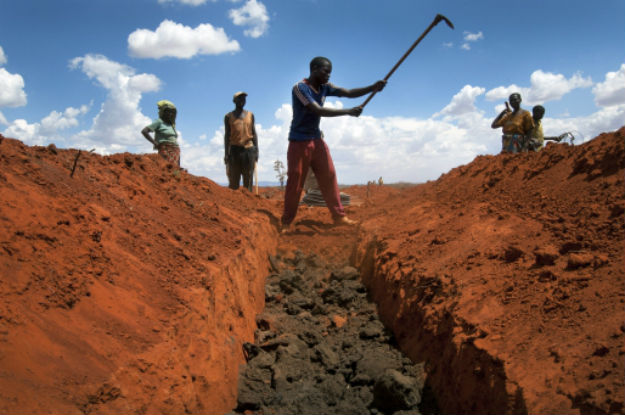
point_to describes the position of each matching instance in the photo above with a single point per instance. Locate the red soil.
(131, 286)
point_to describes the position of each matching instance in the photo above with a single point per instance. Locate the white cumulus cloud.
(611, 91)
(118, 124)
(400, 148)
(11, 89)
(56, 121)
(253, 14)
(47, 130)
(463, 102)
(503, 92)
(471, 37)
(176, 40)
(544, 86)
(22, 130)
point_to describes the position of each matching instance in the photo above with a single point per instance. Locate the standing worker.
(517, 126)
(240, 144)
(306, 145)
(165, 134)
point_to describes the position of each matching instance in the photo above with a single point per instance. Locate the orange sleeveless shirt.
(241, 130)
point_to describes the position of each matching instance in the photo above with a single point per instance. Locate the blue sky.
(88, 73)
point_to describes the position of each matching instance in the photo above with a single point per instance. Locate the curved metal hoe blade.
(440, 17)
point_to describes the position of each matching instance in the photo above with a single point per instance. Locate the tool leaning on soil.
(76, 161)
(437, 20)
(256, 178)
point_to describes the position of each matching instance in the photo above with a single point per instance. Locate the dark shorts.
(241, 165)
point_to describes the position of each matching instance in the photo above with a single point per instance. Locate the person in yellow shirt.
(240, 144)
(517, 125)
(537, 137)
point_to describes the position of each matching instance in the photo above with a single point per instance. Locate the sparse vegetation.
(278, 166)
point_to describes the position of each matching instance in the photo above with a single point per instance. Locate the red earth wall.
(127, 288)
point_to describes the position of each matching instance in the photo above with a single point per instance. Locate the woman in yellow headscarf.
(165, 135)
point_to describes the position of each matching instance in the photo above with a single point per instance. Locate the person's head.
(167, 111)
(320, 69)
(538, 112)
(515, 100)
(239, 99)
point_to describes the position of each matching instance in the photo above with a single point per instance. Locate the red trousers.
(316, 155)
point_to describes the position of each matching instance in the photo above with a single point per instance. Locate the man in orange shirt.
(240, 144)
(517, 126)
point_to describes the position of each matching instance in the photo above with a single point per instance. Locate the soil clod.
(327, 351)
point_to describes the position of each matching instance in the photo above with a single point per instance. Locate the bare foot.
(344, 220)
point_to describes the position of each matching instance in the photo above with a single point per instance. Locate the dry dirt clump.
(132, 286)
(321, 349)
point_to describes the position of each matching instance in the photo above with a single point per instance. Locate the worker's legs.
(247, 170)
(234, 175)
(323, 167)
(298, 159)
(235, 167)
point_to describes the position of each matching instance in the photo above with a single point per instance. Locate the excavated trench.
(320, 347)
(336, 338)
(131, 287)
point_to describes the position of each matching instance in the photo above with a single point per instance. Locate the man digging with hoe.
(306, 145)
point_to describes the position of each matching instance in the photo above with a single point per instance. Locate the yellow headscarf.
(165, 104)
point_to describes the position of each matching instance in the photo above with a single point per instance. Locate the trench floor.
(321, 348)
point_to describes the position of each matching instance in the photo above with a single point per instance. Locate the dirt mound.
(116, 289)
(132, 286)
(507, 275)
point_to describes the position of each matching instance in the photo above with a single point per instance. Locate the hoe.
(436, 20)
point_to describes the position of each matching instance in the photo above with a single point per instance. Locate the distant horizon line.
(266, 183)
